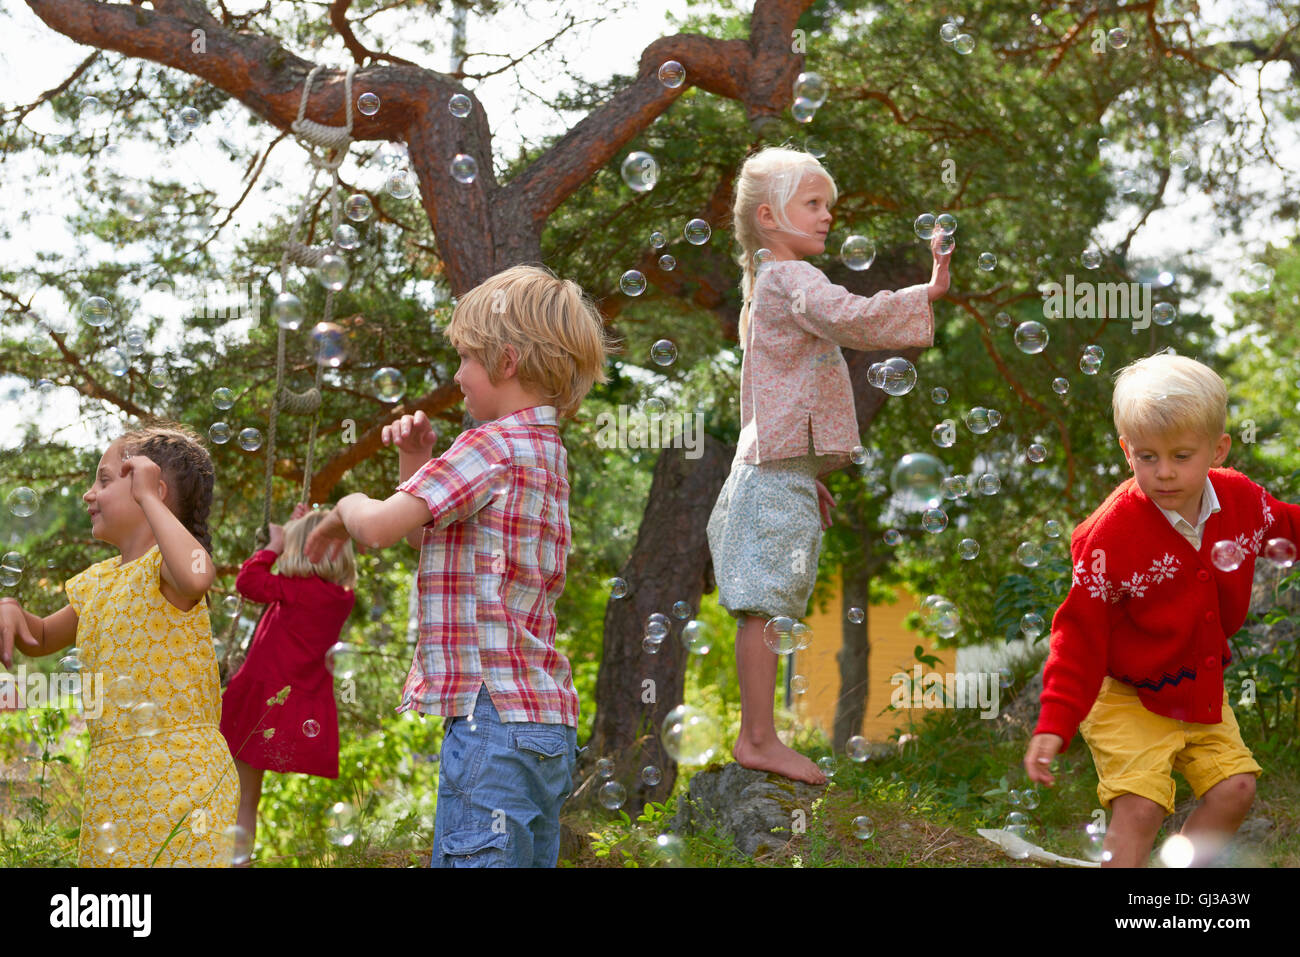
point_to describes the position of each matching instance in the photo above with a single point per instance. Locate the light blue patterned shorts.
(765, 535)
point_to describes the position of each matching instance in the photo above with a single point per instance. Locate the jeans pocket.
(476, 847)
(543, 742)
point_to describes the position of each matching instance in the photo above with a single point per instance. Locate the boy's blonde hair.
(552, 325)
(1166, 394)
(292, 563)
(770, 176)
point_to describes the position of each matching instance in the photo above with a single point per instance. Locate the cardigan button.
(1203, 575)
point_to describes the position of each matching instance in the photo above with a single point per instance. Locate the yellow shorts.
(1135, 750)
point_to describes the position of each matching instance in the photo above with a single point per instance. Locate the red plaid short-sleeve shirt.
(492, 567)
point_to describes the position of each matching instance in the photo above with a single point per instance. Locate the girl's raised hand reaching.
(939, 277)
(412, 434)
(145, 475)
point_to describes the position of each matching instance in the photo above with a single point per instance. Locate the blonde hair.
(552, 325)
(772, 176)
(1166, 394)
(292, 563)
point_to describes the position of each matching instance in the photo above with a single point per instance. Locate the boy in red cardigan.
(1148, 616)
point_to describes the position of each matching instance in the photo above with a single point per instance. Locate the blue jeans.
(500, 789)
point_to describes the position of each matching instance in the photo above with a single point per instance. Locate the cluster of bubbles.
(1091, 358)
(951, 34)
(810, 92)
(784, 636)
(1229, 555)
(941, 616)
(945, 224)
(895, 376)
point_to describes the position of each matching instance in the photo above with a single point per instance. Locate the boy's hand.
(299, 510)
(412, 434)
(276, 540)
(825, 502)
(939, 278)
(13, 625)
(145, 475)
(1038, 757)
(326, 538)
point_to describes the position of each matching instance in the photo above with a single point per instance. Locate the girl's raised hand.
(412, 434)
(13, 626)
(326, 538)
(299, 510)
(275, 541)
(939, 277)
(145, 475)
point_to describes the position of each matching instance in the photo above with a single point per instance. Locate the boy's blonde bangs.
(557, 335)
(1164, 395)
(292, 563)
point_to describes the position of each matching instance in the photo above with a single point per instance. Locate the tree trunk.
(670, 563)
(854, 655)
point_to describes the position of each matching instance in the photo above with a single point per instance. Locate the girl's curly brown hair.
(186, 468)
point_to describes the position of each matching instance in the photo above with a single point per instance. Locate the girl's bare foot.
(776, 757)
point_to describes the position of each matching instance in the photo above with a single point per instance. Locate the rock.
(745, 805)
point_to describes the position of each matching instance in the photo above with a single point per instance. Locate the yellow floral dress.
(157, 757)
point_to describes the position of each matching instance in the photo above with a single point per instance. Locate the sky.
(34, 58)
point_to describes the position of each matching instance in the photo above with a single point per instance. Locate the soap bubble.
(358, 208)
(241, 844)
(654, 406)
(640, 171)
(977, 420)
(1118, 38)
(827, 765)
(1060, 385)
(672, 74)
(651, 775)
(605, 767)
(946, 224)
(802, 636)
(1163, 313)
(146, 719)
(651, 645)
(892, 536)
(1036, 453)
(863, 827)
(311, 727)
(763, 258)
(802, 109)
(917, 478)
(858, 253)
(388, 384)
(941, 615)
(115, 362)
(219, 433)
(667, 263)
(464, 168)
(176, 130)
(987, 261)
(1031, 624)
(815, 148)
(856, 615)
(1031, 337)
(1280, 551)
(107, 838)
(1227, 555)
(778, 635)
(617, 588)
(1029, 554)
(946, 244)
(368, 104)
(632, 283)
(1029, 798)
(898, 376)
(1258, 278)
(989, 484)
(287, 310)
(1090, 257)
(934, 520)
(92, 116)
(658, 240)
(964, 43)
(1180, 158)
(332, 271)
(341, 828)
(938, 395)
(948, 32)
(400, 184)
(858, 455)
(134, 341)
(968, 549)
(23, 502)
(1005, 677)
(799, 684)
(689, 735)
(250, 440)
(696, 637)
(1017, 823)
(96, 312)
(924, 226)
(657, 625)
(1089, 364)
(681, 610)
(342, 660)
(11, 569)
(663, 352)
(697, 232)
(329, 340)
(857, 748)
(223, 398)
(459, 105)
(1002, 319)
(811, 87)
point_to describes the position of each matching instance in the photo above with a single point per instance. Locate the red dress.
(304, 618)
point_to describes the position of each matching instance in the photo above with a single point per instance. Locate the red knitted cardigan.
(1149, 610)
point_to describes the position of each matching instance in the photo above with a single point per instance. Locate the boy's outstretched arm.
(370, 522)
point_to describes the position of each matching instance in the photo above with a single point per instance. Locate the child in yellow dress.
(160, 785)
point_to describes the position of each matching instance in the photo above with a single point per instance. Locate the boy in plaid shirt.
(491, 519)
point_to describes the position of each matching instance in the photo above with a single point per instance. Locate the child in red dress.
(309, 602)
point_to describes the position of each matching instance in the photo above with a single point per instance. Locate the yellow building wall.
(891, 646)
